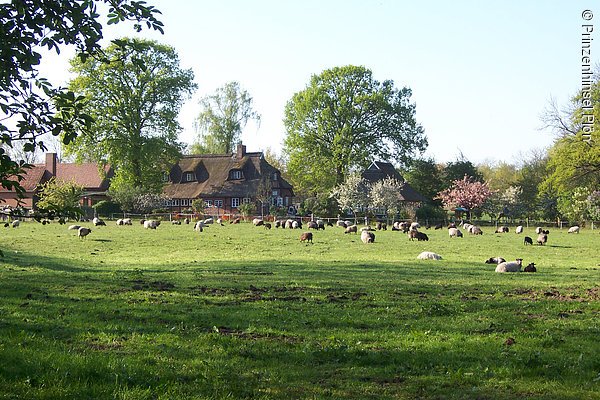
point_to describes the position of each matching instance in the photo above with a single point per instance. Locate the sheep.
(542, 239)
(367, 237)
(495, 260)
(312, 225)
(186, 220)
(127, 221)
(351, 229)
(414, 226)
(289, 224)
(428, 255)
(573, 229)
(151, 224)
(412, 234)
(422, 237)
(74, 227)
(502, 229)
(235, 221)
(519, 229)
(267, 225)
(545, 232)
(296, 225)
(175, 222)
(199, 226)
(98, 222)
(451, 225)
(209, 221)
(455, 232)
(16, 223)
(527, 240)
(219, 221)
(530, 268)
(467, 226)
(142, 221)
(341, 224)
(83, 232)
(510, 266)
(475, 230)
(438, 226)
(257, 222)
(366, 228)
(320, 224)
(278, 223)
(538, 230)
(306, 237)
(120, 222)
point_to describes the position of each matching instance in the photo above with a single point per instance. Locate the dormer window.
(190, 176)
(235, 174)
(275, 176)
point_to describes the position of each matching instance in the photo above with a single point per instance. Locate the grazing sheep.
(306, 237)
(16, 223)
(341, 224)
(127, 221)
(510, 266)
(289, 224)
(495, 260)
(312, 225)
(351, 229)
(320, 224)
(542, 239)
(538, 230)
(209, 221)
(438, 226)
(428, 255)
(422, 237)
(367, 237)
(455, 232)
(475, 230)
(415, 226)
(527, 240)
(530, 268)
(573, 229)
(175, 222)
(519, 229)
(151, 224)
(186, 220)
(257, 222)
(296, 225)
(502, 229)
(199, 226)
(74, 227)
(267, 225)
(120, 222)
(98, 222)
(83, 232)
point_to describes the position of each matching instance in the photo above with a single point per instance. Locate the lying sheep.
(573, 229)
(367, 237)
(83, 232)
(495, 260)
(519, 229)
(438, 226)
(257, 222)
(510, 266)
(527, 240)
(428, 255)
(312, 225)
(306, 237)
(98, 222)
(341, 224)
(235, 221)
(502, 229)
(209, 221)
(455, 232)
(530, 268)
(420, 236)
(16, 223)
(151, 224)
(175, 222)
(542, 239)
(351, 229)
(120, 222)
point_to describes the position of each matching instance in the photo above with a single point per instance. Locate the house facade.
(94, 181)
(379, 170)
(226, 181)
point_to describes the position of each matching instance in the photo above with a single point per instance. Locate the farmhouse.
(94, 181)
(226, 181)
(379, 170)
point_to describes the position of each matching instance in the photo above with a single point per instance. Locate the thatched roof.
(379, 170)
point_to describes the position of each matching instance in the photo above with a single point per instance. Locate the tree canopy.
(135, 101)
(223, 117)
(344, 119)
(30, 106)
(467, 192)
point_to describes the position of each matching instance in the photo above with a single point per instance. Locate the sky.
(481, 73)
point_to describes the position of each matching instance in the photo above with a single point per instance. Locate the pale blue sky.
(481, 74)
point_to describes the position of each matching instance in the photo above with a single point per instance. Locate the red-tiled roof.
(86, 175)
(31, 179)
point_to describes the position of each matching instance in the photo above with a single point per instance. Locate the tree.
(529, 178)
(466, 192)
(135, 100)
(426, 177)
(500, 176)
(264, 194)
(341, 121)
(30, 106)
(385, 194)
(456, 170)
(352, 194)
(593, 205)
(60, 198)
(223, 117)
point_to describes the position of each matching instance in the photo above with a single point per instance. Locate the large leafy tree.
(467, 192)
(30, 106)
(223, 117)
(61, 198)
(352, 194)
(426, 177)
(135, 100)
(341, 121)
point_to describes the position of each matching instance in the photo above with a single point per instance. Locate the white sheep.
(573, 229)
(16, 223)
(414, 226)
(295, 225)
(151, 224)
(429, 255)
(367, 237)
(74, 227)
(98, 222)
(510, 266)
(519, 229)
(200, 225)
(120, 222)
(538, 230)
(83, 232)
(455, 232)
(219, 221)
(257, 222)
(127, 221)
(209, 221)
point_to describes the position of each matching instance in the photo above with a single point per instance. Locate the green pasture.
(241, 312)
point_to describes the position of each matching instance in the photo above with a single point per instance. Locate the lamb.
(542, 239)
(351, 229)
(98, 222)
(527, 240)
(306, 237)
(573, 229)
(16, 223)
(367, 237)
(495, 260)
(510, 266)
(428, 255)
(455, 232)
(74, 227)
(151, 224)
(519, 229)
(83, 232)
(257, 222)
(530, 268)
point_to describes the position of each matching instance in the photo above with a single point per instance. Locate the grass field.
(240, 312)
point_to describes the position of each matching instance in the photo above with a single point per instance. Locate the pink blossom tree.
(467, 193)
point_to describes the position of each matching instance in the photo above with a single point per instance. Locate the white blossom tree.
(352, 194)
(385, 194)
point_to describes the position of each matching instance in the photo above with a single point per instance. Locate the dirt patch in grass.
(155, 285)
(226, 331)
(568, 294)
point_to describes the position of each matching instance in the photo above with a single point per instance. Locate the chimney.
(241, 150)
(51, 163)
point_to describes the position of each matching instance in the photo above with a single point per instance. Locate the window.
(207, 203)
(175, 202)
(190, 176)
(274, 176)
(275, 192)
(235, 174)
(219, 203)
(168, 202)
(235, 202)
(246, 200)
(279, 201)
(184, 202)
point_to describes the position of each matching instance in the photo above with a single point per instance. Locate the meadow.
(241, 312)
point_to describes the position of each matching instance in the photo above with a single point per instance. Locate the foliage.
(30, 107)
(593, 205)
(320, 205)
(223, 117)
(149, 202)
(426, 177)
(246, 209)
(125, 195)
(430, 212)
(198, 205)
(352, 194)
(456, 170)
(106, 207)
(385, 194)
(60, 198)
(499, 176)
(529, 178)
(341, 121)
(466, 192)
(135, 100)
(574, 205)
